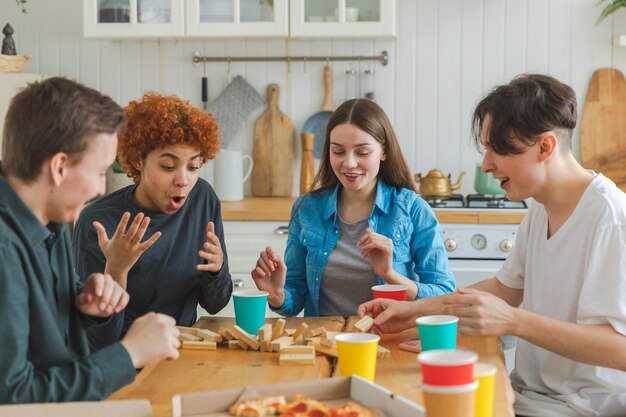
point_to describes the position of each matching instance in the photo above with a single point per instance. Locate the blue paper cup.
(437, 332)
(250, 308)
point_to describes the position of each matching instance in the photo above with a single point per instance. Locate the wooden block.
(245, 337)
(327, 342)
(188, 344)
(364, 324)
(189, 337)
(234, 344)
(300, 331)
(383, 353)
(326, 350)
(331, 335)
(290, 332)
(264, 346)
(185, 329)
(297, 355)
(225, 333)
(265, 333)
(298, 350)
(278, 329)
(243, 345)
(208, 335)
(317, 332)
(280, 343)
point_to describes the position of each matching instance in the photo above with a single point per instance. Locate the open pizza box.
(126, 408)
(332, 391)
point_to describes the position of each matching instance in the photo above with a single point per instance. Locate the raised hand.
(211, 251)
(125, 247)
(269, 275)
(379, 250)
(101, 296)
(152, 338)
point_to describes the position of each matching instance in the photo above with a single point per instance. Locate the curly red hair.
(156, 121)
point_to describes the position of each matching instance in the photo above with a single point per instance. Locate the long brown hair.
(369, 117)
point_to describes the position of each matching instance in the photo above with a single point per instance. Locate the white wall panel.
(447, 55)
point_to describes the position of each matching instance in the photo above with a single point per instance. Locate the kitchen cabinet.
(239, 18)
(244, 242)
(342, 18)
(133, 18)
(236, 18)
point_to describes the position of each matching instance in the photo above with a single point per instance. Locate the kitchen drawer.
(245, 241)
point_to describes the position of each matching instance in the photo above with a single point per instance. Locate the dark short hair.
(51, 116)
(370, 118)
(524, 109)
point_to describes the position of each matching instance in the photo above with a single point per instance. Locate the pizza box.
(333, 391)
(126, 408)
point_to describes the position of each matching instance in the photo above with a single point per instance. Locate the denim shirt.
(398, 213)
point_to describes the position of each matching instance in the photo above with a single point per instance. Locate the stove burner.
(493, 201)
(454, 201)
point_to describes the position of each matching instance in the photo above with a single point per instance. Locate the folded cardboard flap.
(331, 390)
(126, 408)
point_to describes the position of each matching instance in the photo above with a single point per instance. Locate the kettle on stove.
(436, 186)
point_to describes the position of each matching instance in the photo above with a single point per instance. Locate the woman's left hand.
(211, 252)
(379, 250)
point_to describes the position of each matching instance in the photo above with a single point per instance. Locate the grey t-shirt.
(347, 279)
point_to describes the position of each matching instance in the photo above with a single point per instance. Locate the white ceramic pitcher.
(228, 177)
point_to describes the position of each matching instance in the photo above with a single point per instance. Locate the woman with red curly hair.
(184, 262)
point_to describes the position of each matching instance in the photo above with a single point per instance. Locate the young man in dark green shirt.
(59, 139)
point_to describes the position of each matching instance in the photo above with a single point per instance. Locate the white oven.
(476, 252)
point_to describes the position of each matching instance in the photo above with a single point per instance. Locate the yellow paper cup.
(357, 354)
(485, 374)
(449, 401)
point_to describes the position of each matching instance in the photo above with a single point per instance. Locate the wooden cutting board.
(273, 150)
(603, 127)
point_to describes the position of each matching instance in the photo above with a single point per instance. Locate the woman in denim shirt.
(362, 224)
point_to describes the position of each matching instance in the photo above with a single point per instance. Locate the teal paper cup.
(250, 308)
(437, 332)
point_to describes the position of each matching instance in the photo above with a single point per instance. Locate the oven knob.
(450, 244)
(506, 245)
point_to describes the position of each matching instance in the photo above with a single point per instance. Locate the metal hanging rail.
(383, 58)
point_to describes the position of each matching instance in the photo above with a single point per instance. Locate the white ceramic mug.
(228, 176)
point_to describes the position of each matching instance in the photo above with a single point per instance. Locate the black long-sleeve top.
(164, 279)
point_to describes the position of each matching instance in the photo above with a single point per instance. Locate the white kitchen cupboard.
(342, 18)
(236, 18)
(239, 18)
(244, 242)
(133, 18)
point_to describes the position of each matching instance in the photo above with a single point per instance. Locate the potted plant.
(610, 8)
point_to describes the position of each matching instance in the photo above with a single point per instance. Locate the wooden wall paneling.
(110, 72)
(426, 89)
(172, 63)
(150, 66)
(515, 38)
(471, 84)
(70, 34)
(537, 34)
(26, 36)
(130, 70)
(449, 37)
(494, 44)
(560, 30)
(343, 47)
(385, 77)
(404, 81)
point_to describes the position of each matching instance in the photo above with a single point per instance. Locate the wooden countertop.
(279, 209)
(201, 371)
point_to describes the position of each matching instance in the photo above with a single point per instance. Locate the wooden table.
(201, 371)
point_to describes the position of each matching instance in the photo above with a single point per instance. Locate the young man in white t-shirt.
(568, 266)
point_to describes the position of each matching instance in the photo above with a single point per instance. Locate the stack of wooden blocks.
(295, 346)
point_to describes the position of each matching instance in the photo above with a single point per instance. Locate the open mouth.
(504, 182)
(178, 200)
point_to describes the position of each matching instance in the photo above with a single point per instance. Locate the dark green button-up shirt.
(44, 356)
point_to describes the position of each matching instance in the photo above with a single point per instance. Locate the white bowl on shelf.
(352, 14)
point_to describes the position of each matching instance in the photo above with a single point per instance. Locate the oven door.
(470, 271)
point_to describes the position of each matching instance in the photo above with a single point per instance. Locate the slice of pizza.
(303, 406)
(351, 409)
(260, 407)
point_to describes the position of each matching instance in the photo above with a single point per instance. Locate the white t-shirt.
(577, 276)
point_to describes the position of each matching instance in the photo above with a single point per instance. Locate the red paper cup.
(393, 291)
(447, 367)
